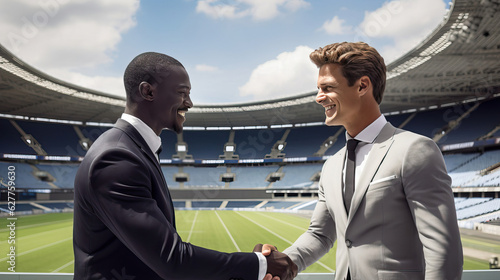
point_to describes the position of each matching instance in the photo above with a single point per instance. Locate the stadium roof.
(459, 61)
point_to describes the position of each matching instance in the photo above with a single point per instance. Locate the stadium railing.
(467, 275)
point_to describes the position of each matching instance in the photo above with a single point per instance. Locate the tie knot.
(352, 144)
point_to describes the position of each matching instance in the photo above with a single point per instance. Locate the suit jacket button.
(348, 243)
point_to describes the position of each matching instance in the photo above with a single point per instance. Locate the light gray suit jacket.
(402, 222)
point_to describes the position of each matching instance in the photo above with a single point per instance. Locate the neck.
(143, 117)
(368, 117)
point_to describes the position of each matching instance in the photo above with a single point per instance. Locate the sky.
(235, 51)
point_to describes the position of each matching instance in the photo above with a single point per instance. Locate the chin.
(178, 129)
(331, 122)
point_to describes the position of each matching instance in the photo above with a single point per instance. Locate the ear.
(146, 91)
(364, 85)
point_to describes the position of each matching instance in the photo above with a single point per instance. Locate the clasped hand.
(279, 265)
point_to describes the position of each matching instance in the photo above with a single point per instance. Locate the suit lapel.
(375, 158)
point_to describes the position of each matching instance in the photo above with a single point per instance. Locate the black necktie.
(158, 152)
(350, 169)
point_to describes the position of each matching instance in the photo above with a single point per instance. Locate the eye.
(327, 88)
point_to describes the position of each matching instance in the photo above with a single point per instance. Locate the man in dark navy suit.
(124, 221)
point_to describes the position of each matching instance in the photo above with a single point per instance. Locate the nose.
(187, 102)
(320, 97)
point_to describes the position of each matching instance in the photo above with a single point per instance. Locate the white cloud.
(205, 68)
(257, 9)
(336, 26)
(219, 9)
(62, 36)
(295, 5)
(406, 22)
(291, 73)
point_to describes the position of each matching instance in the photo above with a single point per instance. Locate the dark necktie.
(350, 169)
(158, 152)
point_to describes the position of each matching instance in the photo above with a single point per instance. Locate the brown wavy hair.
(357, 60)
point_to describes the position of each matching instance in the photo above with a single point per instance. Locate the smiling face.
(171, 98)
(341, 102)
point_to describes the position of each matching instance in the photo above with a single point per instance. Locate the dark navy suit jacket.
(124, 222)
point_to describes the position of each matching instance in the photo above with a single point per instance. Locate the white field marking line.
(63, 267)
(283, 222)
(35, 234)
(305, 205)
(282, 238)
(228, 233)
(41, 224)
(192, 226)
(39, 248)
(270, 231)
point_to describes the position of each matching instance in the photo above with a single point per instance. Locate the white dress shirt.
(153, 140)
(366, 137)
(154, 143)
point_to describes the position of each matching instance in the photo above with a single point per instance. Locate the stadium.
(238, 169)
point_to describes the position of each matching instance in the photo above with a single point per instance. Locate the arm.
(430, 198)
(121, 196)
(318, 239)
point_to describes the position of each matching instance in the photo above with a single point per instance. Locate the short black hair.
(144, 67)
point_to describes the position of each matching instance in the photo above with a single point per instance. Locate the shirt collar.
(370, 132)
(153, 140)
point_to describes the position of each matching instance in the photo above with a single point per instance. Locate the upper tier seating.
(468, 174)
(64, 174)
(24, 176)
(251, 177)
(298, 176)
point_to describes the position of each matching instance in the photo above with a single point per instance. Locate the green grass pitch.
(44, 242)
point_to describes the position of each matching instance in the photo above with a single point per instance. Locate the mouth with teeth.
(182, 112)
(330, 110)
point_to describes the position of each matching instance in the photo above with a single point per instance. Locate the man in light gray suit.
(392, 212)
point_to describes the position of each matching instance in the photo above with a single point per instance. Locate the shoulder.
(116, 167)
(116, 153)
(418, 152)
(413, 140)
(112, 141)
(415, 149)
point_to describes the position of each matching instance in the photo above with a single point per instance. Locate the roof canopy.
(459, 61)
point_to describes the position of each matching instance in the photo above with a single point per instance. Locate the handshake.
(279, 265)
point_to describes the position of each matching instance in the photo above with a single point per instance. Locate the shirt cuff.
(262, 265)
